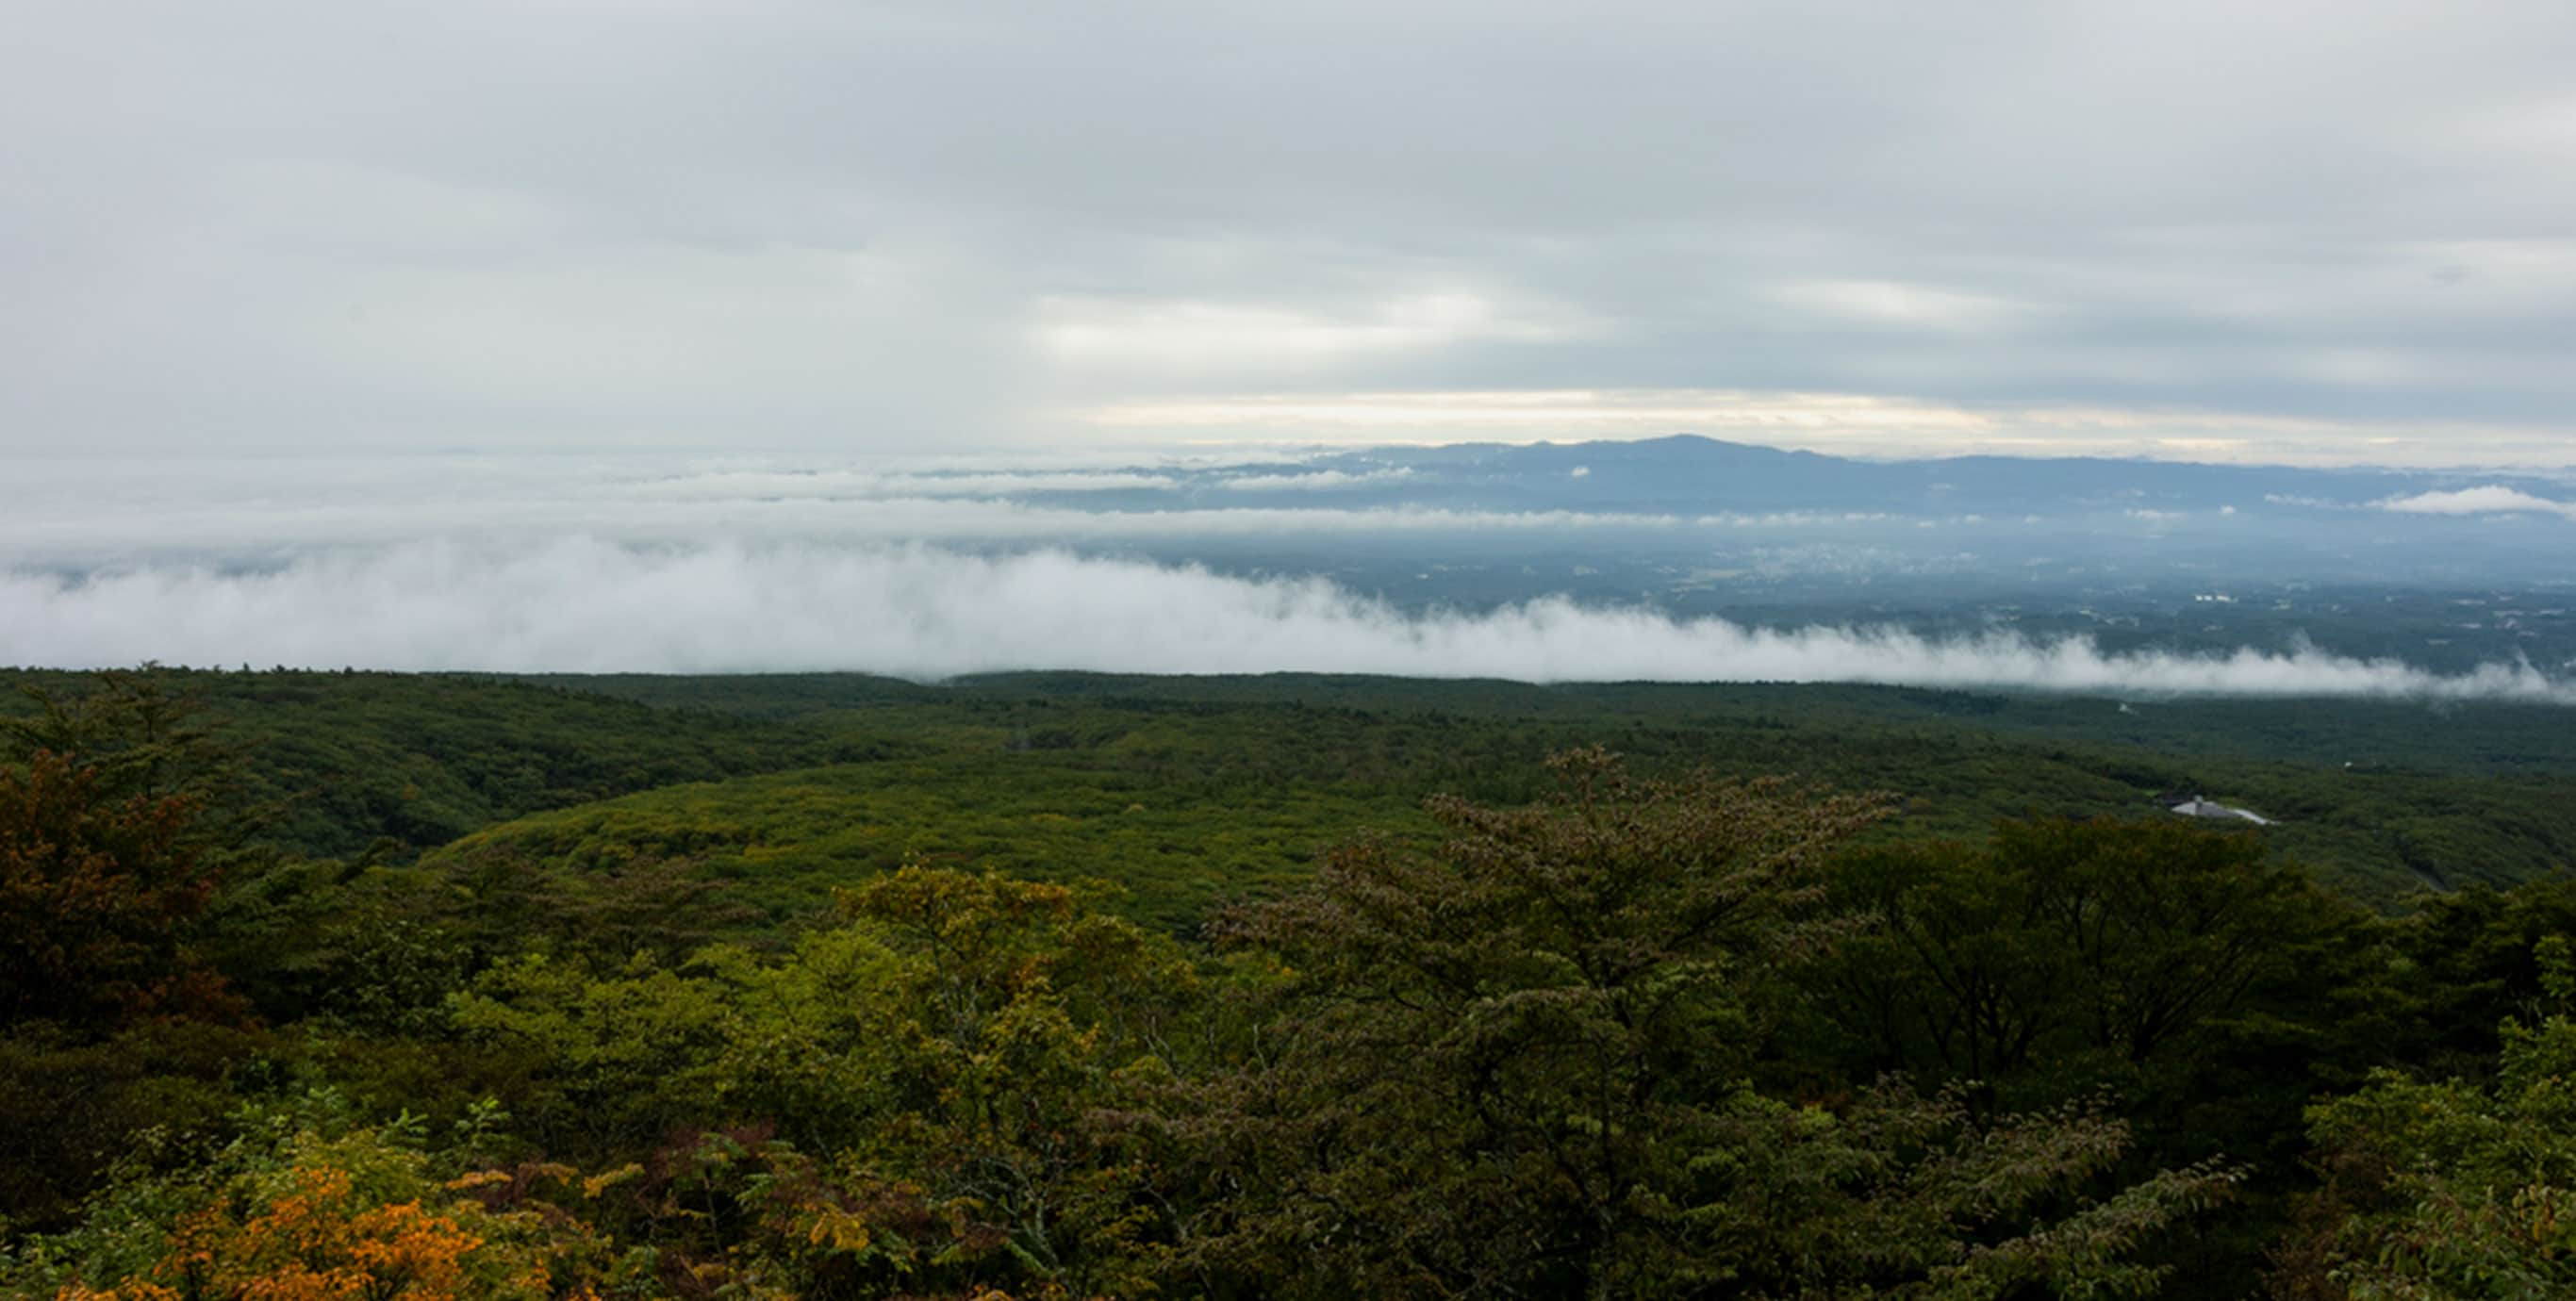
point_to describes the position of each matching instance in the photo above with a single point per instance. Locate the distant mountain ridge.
(1687, 472)
(1691, 475)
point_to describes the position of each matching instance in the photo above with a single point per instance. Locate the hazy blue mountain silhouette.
(1687, 475)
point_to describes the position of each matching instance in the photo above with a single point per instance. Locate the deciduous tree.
(1522, 1066)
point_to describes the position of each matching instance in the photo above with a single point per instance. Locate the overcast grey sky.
(2288, 230)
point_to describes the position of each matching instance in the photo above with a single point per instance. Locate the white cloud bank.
(1314, 480)
(854, 485)
(921, 612)
(2493, 499)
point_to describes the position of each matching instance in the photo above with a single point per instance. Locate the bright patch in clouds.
(1896, 304)
(1540, 413)
(1841, 423)
(1194, 337)
(1313, 481)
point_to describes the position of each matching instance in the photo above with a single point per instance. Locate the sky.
(2295, 231)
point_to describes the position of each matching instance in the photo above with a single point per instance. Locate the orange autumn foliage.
(316, 1243)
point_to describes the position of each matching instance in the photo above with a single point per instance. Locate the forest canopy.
(1036, 995)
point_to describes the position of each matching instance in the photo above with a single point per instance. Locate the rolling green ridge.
(791, 783)
(782, 841)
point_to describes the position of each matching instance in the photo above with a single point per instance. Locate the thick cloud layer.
(586, 605)
(2294, 230)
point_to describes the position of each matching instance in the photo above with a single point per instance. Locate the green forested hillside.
(2437, 798)
(2481, 803)
(784, 840)
(1063, 986)
(339, 761)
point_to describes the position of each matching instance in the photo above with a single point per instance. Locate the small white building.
(2201, 806)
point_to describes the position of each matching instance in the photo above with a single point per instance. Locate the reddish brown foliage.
(96, 891)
